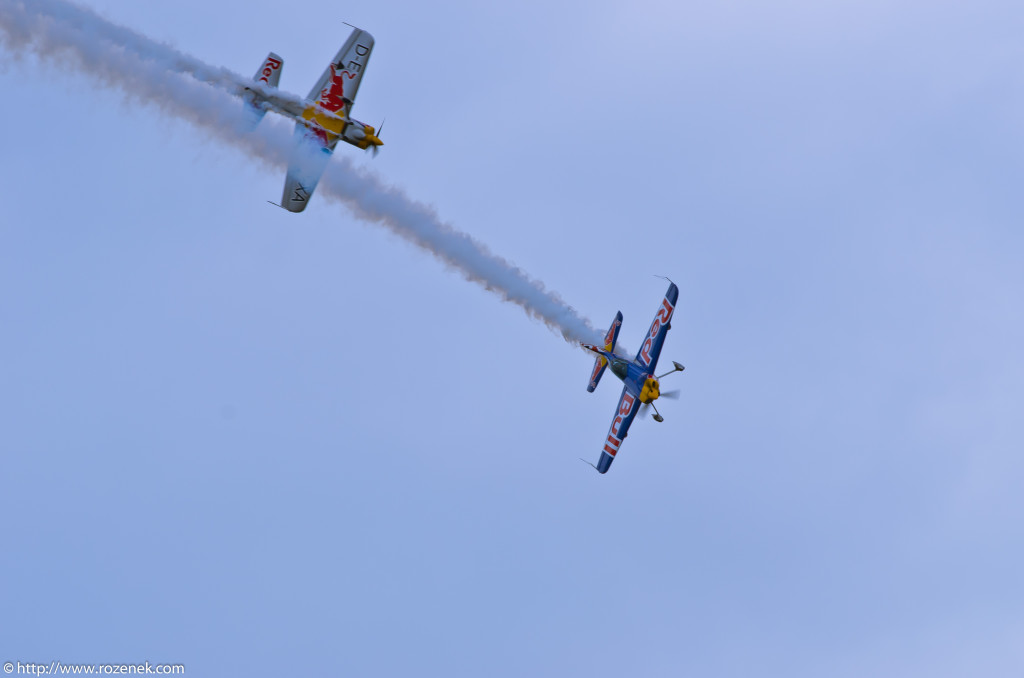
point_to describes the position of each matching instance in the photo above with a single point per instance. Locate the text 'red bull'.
(662, 318)
(269, 66)
(612, 446)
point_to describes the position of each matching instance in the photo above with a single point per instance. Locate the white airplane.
(321, 119)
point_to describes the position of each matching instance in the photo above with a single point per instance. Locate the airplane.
(640, 386)
(321, 119)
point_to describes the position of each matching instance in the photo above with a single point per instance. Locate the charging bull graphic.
(332, 97)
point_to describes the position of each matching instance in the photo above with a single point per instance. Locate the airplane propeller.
(671, 395)
(374, 147)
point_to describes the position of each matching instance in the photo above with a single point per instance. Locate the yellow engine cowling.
(651, 390)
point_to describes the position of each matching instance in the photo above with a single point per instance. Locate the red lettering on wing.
(662, 318)
(615, 426)
(646, 352)
(614, 439)
(627, 404)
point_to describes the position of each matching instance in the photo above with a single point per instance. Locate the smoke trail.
(185, 87)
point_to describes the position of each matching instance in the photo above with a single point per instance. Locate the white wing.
(336, 89)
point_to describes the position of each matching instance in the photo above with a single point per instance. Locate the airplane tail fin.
(600, 363)
(269, 74)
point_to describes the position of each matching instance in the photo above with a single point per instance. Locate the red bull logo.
(608, 338)
(332, 97)
(598, 366)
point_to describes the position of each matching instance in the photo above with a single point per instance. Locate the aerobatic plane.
(640, 386)
(321, 119)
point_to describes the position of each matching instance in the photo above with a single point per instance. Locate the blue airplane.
(640, 386)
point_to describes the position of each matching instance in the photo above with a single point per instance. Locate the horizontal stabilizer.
(600, 363)
(268, 75)
(270, 72)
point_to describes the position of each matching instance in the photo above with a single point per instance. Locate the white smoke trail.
(183, 86)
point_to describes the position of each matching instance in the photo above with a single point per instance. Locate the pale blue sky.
(258, 443)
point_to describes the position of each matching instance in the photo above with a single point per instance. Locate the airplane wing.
(306, 165)
(336, 89)
(651, 348)
(628, 406)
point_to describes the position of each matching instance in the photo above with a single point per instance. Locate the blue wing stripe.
(628, 406)
(650, 350)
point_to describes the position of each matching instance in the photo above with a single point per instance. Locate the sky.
(259, 443)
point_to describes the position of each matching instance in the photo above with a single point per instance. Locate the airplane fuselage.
(638, 380)
(330, 128)
(640, 386)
